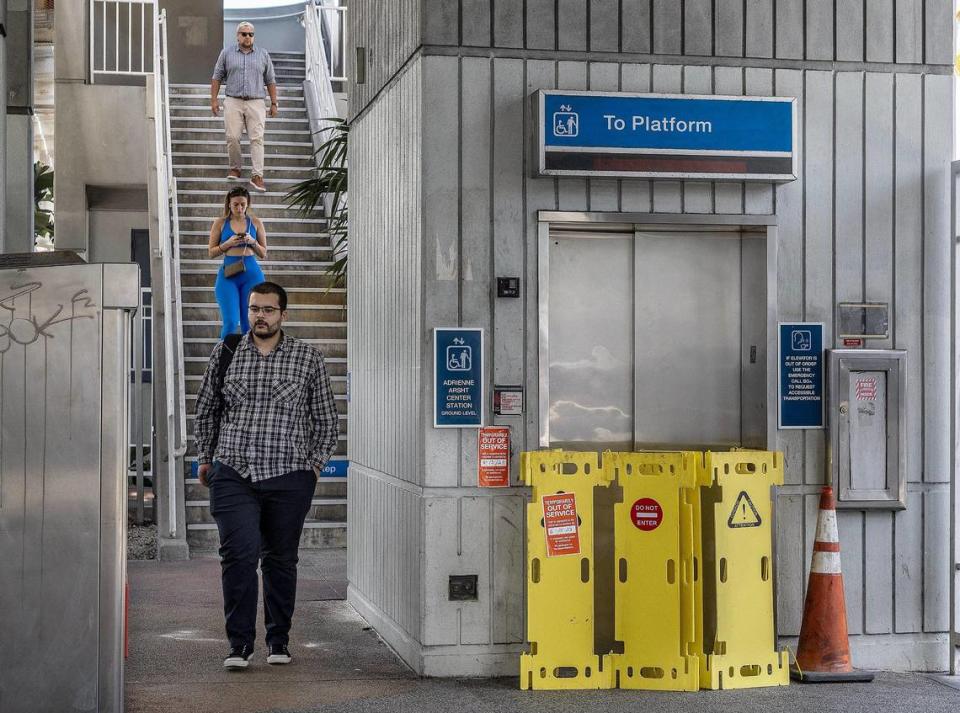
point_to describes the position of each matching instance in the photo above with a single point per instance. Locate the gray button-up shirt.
(246, 73)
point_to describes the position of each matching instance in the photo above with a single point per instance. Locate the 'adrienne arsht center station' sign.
(666, 136)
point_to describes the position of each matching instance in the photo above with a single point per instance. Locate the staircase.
(298, 251)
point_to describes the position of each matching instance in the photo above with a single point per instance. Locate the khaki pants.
(252, 115)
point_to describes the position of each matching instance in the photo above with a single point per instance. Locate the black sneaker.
(239, 657)
(278, 654)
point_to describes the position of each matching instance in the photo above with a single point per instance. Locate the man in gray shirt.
(246, 70)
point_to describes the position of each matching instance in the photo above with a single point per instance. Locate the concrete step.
(275, 252)
(293, 149)
(214, 133)
(316, 535)
(179, 98)
(212, 208)
(301, 330)
(216, 186)
(211, 201)
(203, 346)
(204, 90)
(326, 488)
(194, 110)
(218, 137)
(281, 225)
(288, 101)
(216, 171)
(208, 265)
(275, 241)
(334, 296)
(210, 197)
(185, 159)
(280, 123)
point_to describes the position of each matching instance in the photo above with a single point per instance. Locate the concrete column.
(18, 161)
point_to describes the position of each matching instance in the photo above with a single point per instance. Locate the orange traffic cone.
(823, 652)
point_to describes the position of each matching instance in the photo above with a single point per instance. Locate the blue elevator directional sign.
(666, 135)
(801, 375)
(458, 377)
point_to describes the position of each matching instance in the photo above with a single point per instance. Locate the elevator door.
(657, 340)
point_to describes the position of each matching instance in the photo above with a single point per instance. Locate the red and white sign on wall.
(646, 514)
(866, 389)
(560, 524)
(493, 457)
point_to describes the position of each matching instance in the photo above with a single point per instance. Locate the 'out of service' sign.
(560, 524)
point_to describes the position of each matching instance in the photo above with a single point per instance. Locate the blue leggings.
(234, 292)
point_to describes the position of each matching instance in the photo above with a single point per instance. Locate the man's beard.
(264, 331)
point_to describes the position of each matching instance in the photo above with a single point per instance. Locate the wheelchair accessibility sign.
(458, 377)
(566, 123)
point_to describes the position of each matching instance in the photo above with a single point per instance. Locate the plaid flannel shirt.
(273, 414)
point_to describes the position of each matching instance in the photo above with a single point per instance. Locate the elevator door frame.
(762, 227)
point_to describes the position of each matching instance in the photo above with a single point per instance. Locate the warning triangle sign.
(744, 514)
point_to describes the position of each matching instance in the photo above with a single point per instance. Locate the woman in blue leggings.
(237, 236)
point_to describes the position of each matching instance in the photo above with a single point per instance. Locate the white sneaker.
(239, 657)
(279, 654)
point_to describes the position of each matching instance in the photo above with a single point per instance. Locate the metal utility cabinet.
(64, 375)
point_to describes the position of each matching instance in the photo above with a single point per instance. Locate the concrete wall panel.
(908, 291)
(936, 276)
(475, 30)
(729, 29)
(849, 30)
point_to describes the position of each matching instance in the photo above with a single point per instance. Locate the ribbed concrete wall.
(866, 220)
(389, 33)
(384, 328)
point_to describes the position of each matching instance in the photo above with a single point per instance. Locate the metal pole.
(954, 559)
(138, 402)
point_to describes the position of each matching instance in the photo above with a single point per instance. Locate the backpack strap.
(230, 344)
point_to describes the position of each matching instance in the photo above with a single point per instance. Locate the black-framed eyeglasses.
(265, 311)
(246, 34)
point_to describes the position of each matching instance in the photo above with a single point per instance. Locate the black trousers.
(259, 522)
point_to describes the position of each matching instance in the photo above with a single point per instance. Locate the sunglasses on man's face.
(246, 34)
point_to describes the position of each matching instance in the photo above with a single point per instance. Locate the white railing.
(323, 104)
(329, 21)
(169, 253)
(120, 38)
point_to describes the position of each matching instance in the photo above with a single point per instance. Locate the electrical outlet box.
(463, 587)
(508, 287)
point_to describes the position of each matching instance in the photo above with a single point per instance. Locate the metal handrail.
(169, 253)
(334, 18)
(322, 100)
(111, 34)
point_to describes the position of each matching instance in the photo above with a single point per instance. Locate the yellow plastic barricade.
(656, 542)
(738, 640)
(560, 572)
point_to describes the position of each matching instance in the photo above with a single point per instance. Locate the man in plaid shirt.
(262, 437)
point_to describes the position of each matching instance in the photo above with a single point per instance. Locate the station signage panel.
(457, 377)
(800, 378)
(679, 136)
